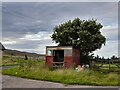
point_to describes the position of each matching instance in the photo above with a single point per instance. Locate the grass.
(65, 76)
(36, 70)
(8, 61)
(14, 60)
(105, 67)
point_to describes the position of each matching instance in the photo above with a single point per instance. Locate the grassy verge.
(34, 70)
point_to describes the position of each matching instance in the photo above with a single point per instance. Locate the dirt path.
(14, 82)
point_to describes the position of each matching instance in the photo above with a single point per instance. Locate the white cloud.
(38, 36)
(31, 37)
(31, 42)
(42, 47)
(38, 21)
(9, 42)
(110, 49)
(110, 32)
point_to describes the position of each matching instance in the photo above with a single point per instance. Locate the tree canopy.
(82, 34)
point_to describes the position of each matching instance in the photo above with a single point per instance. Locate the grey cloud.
(61, 1)
(33, 17)
(29, 44)
(53, 13)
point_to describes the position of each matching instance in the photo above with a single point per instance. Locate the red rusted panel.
(76, 52)
(76, 60)
(49, 60)
(76, 56)
(68, 61)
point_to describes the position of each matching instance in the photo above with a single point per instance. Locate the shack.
(2, 48)
(62, 56)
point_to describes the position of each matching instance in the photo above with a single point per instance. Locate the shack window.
(49, 52)
(68, 52)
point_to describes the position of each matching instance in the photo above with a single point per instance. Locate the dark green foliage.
(114, 57)
(82, 34)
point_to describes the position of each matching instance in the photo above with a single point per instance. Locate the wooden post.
(90, 64)
(109, 64)
(11, 57)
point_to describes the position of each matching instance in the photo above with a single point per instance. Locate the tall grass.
(8, 60)
(16, 60)
(37, 70)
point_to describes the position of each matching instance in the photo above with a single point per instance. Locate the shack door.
(58, 55)
(58, 60)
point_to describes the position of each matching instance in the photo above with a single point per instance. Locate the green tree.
(82, 34)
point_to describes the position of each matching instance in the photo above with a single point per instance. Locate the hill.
(20, 53)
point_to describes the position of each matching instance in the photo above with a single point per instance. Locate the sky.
(27, 26)
(60, 0)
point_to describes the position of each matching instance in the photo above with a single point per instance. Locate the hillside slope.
(20, 53)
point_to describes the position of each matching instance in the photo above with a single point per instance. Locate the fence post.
(109, 64)
(11, 57)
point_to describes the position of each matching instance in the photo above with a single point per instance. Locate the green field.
(7, 60)
(36, 70)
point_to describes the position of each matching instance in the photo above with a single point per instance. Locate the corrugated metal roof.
(59, 46)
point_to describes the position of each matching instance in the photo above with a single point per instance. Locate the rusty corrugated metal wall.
(71, 56)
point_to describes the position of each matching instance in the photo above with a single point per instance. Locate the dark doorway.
(58, 55)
